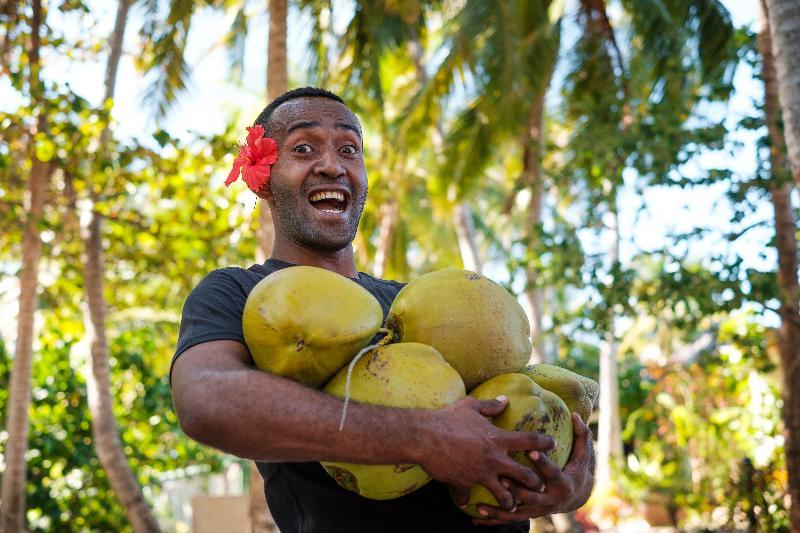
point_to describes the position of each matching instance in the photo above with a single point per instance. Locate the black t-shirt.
(301, 496)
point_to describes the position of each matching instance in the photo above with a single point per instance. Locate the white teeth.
(327, 195)
(331, 210)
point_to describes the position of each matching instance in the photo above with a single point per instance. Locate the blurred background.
(617, 165)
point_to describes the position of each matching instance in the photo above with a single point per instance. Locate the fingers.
(581, 448)
(524, 441)
(522, 475)
(496, 516)
(461, 496)
(546, 467)
(502, 494)
(492, 407)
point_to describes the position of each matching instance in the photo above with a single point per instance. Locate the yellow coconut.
(530, 408)
(479, 328)
(409, 375)
(305, 323)
(578, 392)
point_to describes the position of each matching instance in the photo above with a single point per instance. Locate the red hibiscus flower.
(255, 160)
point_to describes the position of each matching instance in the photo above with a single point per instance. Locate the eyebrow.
(315, 124)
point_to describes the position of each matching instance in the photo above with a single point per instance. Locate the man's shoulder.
(234, 276)
(372, 280)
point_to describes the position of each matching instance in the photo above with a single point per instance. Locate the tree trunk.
(785, 238)
(533, 144)
(12, 498)
(465, 230)
(277, 84)
(609, 438)
(104, 427)
(105, 433)
(784, 18)
(389, 215)
(15, 476)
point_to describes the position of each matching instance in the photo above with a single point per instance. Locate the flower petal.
(236, 170)
(254, 134)
(269, 150)
(256, 176)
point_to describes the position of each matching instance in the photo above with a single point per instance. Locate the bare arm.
(222, 401)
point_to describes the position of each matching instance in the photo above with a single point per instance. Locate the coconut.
(578, 392)
(530, 408)
(304, 323)
(479, 328)
(408, 375)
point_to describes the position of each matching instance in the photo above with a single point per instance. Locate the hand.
(563, 491)
(466, 449)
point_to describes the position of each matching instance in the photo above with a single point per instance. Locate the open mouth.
(328, 201)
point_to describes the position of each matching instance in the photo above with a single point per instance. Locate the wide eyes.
(349, 149)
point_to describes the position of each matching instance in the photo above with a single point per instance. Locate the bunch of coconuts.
(447, 332)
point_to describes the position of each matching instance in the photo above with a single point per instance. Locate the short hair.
(300, 92)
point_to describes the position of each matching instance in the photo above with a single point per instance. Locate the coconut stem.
(387, 338)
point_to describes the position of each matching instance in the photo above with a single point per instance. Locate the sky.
(213, 100)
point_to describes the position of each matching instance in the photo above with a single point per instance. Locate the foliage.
(707, 431)
(444, 91)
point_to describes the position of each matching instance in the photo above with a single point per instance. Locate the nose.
(329, 164)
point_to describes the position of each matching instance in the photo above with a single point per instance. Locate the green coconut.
(409, 375)
(530, 408)
(479, 328)
(304, 323)
(578, 392)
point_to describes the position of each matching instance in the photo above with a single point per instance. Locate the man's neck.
(341, 261)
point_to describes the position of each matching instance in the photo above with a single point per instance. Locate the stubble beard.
(288, 217)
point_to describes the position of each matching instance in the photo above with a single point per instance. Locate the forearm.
(269, 418)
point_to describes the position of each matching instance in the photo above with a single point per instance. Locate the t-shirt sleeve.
(213, 311)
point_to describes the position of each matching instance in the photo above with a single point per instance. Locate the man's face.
(319, 184)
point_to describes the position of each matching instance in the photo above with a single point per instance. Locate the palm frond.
(166, 61)
(235, 40)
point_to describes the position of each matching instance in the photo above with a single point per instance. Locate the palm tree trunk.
(465, 231)
(609, 438)
(12, 514)
(15, 476)
(104, 426)
(784, 18)
(277, 84)
(785, 237)
(533, 144)
(389, 216)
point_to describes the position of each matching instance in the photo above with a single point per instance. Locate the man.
(223, 401)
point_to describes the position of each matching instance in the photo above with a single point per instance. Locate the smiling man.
(316, 192)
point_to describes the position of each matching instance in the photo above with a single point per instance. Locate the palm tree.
(784, 18)
(104, 426)
(508, 50)
(786, 241)
(608, 112)
(12, 517)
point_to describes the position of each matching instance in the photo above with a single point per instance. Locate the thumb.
(492, 407)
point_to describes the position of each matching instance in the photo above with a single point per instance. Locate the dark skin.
(224, 402)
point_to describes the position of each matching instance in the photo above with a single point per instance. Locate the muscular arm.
(224, 402)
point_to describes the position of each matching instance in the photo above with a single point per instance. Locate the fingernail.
(534, 456)
(506, 484)
(501, 398)
(513, 509)
(483, 512)
(541, 489)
